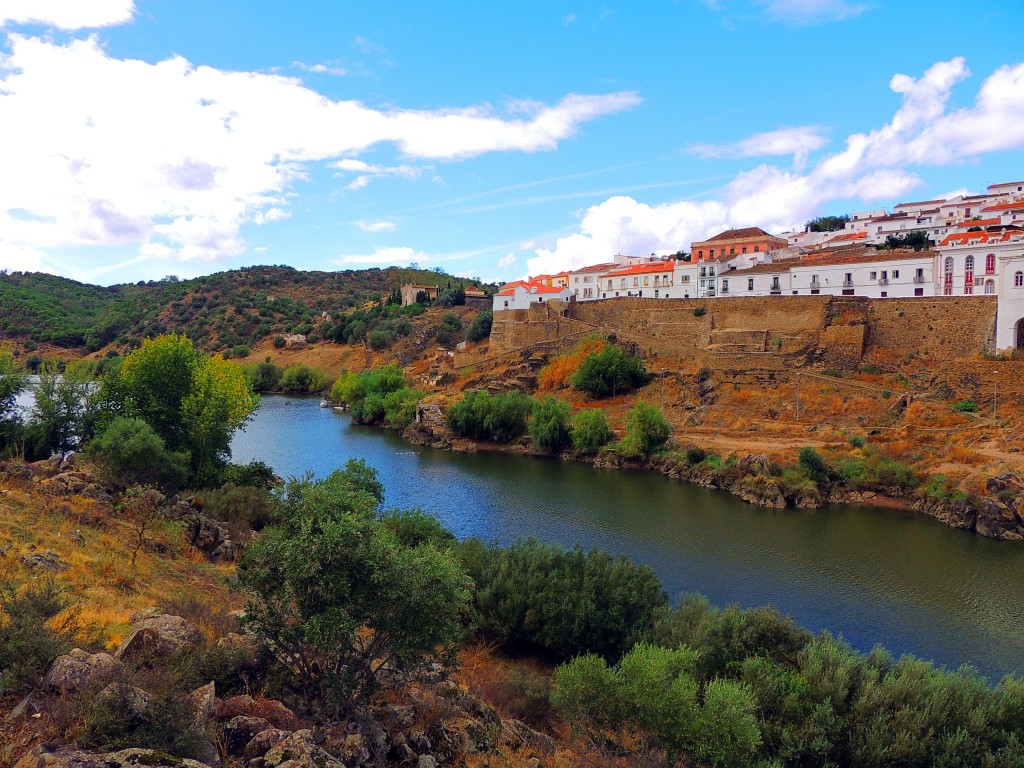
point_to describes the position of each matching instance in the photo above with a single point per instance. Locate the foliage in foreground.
(562, 602)
(340, 598)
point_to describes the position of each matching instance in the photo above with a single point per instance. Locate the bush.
(483, 416)
(243, 508)
(646, 429)
(549, 424)
(877, 472)
(301, 379)
(280, 342)
(699, 311)
(255, 474)
(694, 455)
(128, 452)
(480, 328)
(413, 527)
(33, 632)
(857, 441)
(965, 406)
(265, 377)
(240, 350)
(608, 372)
(450, 327)
(400, 407)
(590, 431)
(812, 463)
(534, 595)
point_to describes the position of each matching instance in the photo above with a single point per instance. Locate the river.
(874, 576)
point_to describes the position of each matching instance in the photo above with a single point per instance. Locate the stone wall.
(762, 337)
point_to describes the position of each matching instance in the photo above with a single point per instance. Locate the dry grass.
(555, 375)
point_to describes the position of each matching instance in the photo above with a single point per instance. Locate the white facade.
(1010, 310)
(522, 296)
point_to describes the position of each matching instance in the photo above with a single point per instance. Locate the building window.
(948, 267)
(990, 287)
(732, 251)
(895, 274)
(969, 264)
(636, 281)
(757, 249)
(1018, 280)
(712, 255)
(750, 283)
(919, 291)
(873, 276)
(990, 264)
(700, 254)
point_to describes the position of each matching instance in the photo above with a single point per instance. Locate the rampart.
(758, 338)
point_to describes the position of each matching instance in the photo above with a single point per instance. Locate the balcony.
(883, 281)
(918, 279)
(711, 292)
(847, 283)
(815, 285)
(725, 289)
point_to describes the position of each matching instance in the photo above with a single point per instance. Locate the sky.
(147, 138)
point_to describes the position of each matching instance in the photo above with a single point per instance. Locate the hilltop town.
(965, 246)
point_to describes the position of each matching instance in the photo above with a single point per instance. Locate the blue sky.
(144, 138)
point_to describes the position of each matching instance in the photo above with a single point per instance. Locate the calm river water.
(875, 576)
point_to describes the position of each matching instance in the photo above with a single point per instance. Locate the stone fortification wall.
(762, 337)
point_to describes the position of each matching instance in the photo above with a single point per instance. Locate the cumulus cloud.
(805, 12)
(871, 166)
(798, 141)
(114, 152)
(67, 14)
(376, 226)
(507, 260)
(368, 172)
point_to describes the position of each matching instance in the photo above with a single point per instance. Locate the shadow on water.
(873, 575)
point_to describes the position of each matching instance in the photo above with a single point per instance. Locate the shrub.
(694, 455)
(646, 429)
(699, 311)
(549, 424)
(280, 342)
(965, 406)
(858, 441)
(590, 431)
(35, 628)
(128, 452)
(240, 350)
(256, 474)
(608, 372)
(566, 602)
(450, 327)
(302, 379)
(400, 407)
(265, 377)
(413, 527)
(483, 416)
(813, 464)
(480, 328)
(877, 472)
(243, 508)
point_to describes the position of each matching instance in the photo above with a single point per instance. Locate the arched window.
(949, 265)
(990, 264)
(969, 264)
(1018, 280)
(990, 286)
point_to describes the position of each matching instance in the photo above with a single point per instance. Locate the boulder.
(263, 742)
(66, 483)
(156, 634)
(518, 735)
(128, 699)
(203, 701)
(43, 757)
(276, 713)
(44, 561)
(240, 730)
(74, 670)
(1008, 481)
(299, 750)
(427, 761)
(999, 521)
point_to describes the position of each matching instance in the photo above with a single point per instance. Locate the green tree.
(480, 328)
(12, 383)
(62, 410)
(549, 424)
(646, 429)
(609, 372)
(590, 430)
(192, 401)
(341, 599)
(827, 223)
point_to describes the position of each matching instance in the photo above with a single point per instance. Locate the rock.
(240, 730)
(97, 492)
(203, 701)
(998, 521)
(74, 670)
(516, 734)
(46, 561)
(156, 634)
(263, 742)
(1008, 481)
(203, 533)
(128, 699)
(298, 750)
(77, 537)
(42, 757)
(66, 483)
(276, 713)
(398, 715)
(354, 750)
(17, 469)
(419, 741)
(30, 706)
(401, 753)
(427, 761)
(958, 513)
(757, 464)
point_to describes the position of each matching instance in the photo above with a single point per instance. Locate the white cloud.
(114, 152)
(806, 12)
(368, 172)
(67, 14)
(323, 68)
(799, 142)
(508, 260)
(397, 256)
(871, 166)
(376, 226)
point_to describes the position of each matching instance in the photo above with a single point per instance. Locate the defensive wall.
(758, 339)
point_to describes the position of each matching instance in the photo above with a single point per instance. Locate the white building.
(521, 295)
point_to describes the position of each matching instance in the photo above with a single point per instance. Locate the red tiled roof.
(979, 223)
(546, 289)
(921, 202)
(639, 269)
(595, 268)
(739, 234)
(966, 238)
(1016, 204)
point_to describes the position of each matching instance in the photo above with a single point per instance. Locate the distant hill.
(218, 311)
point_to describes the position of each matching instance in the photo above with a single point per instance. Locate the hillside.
(219, 311)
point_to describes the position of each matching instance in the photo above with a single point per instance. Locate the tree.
(129, 452)
(342, 601)
(919, 241)
(62, 412)
(549, 424)
(827, 223)
(193, 402)
(12, 383)
(590, 431)
(480, 328)
(608, 372)
(646, 429)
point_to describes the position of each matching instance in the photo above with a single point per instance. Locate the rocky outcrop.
(998, 517)
(43, 757)
(155, 633)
